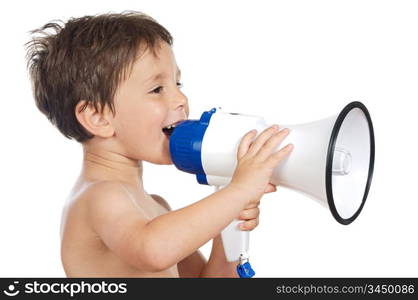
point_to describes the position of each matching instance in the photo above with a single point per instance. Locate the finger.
(270, 188)
(253, 204)
(249, 225)
(276, 157)
(245, 143)
(262, 138)
(272, 144)
(248, 214)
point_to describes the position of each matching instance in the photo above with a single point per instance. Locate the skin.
(111, 227)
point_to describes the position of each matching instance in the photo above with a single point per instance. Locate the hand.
(256, 162)
(251, 214)
(250, 217)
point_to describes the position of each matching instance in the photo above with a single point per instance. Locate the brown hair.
(86, 59)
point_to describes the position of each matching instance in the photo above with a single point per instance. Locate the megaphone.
(332, 160)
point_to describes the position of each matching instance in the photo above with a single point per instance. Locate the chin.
(166, 160)
(163, 162)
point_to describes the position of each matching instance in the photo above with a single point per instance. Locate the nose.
(180, 102)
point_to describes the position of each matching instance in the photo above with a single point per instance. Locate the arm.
(192, 265)
(196, 265)
(218, 266)
(144, 243)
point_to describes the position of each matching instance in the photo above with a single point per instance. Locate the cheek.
(137, 127)
(139, 130)
(128, 123)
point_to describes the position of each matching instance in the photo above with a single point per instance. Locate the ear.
(96, 122)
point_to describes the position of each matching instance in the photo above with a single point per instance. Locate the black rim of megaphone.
(330, 156)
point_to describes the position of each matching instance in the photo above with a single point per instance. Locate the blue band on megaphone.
(186, 145)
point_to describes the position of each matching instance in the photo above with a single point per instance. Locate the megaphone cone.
(332, 161)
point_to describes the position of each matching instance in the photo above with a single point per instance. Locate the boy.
(111, 82)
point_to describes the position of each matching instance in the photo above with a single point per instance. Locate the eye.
(179, 85)
(157, 90)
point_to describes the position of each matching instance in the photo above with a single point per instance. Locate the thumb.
(270, 188)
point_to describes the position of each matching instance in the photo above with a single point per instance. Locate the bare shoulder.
(160, 200)
(112, 210)
(97, 191)
(106, 197)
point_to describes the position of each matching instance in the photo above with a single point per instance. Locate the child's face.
(146, 102)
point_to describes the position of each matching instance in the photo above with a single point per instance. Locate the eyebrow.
(161, 75)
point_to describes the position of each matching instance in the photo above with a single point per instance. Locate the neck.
(101, 164)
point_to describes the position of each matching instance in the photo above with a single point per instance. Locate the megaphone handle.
(235, 242)
(236, 246)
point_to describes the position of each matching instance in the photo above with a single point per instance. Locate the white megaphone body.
(332, 160)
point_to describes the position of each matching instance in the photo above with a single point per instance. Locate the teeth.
(171, 126)
(168, 130)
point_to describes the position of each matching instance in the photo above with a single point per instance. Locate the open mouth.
(168, 130)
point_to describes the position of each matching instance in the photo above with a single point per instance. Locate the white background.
(289, 61)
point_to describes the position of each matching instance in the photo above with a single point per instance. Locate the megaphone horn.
(332, 160)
